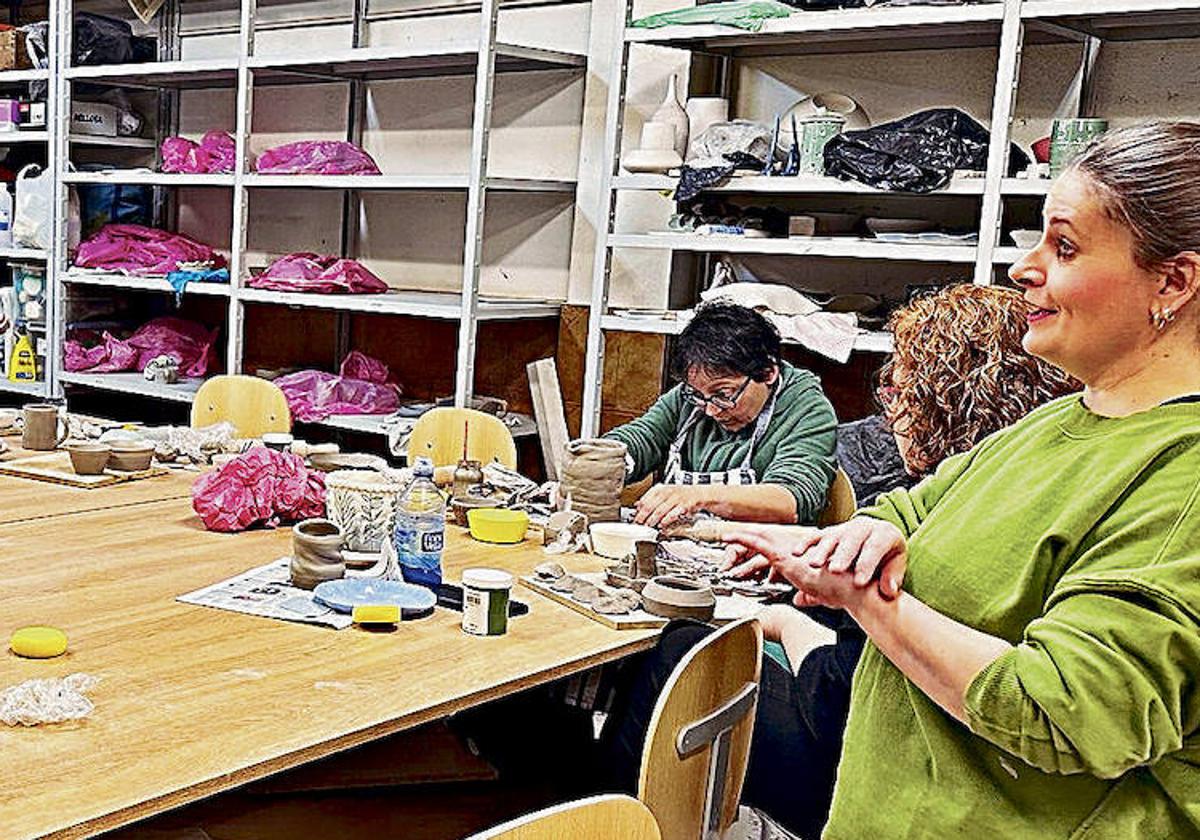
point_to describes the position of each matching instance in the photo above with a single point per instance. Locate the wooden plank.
(55, 467)
(548, 411)
(196, 701)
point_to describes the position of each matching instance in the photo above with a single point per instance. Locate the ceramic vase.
(671, 113)
(816, 132)
(316, 553)
(363, 504)
(703, 111)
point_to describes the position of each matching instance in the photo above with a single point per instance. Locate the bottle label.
(431, 541)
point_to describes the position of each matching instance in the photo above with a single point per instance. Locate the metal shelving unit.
(1009, 26)
(479, 54)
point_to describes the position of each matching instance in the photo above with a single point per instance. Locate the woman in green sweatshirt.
(1037, 672)
(744, 436)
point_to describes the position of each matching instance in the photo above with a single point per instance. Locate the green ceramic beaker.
(815, 132)
(1070, 137)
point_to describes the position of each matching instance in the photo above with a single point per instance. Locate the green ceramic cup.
(815, 132)
(1070, 137)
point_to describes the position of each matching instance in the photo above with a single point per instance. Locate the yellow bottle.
(22, 365)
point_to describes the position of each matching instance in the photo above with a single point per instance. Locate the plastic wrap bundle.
(261, 487)
(189, 343)
(135, 249)
(52, 700)
(363, 504)
(320, 273)
(214, 153)
(360, 387)
(317, 157)
(593, 474)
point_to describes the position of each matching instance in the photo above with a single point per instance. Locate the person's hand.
(665, 504)
(743, 561)
(866, 547)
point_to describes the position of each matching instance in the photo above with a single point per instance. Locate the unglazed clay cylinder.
(316, 553)
(704, 111)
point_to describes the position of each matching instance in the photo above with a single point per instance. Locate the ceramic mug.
(1070, 137)
(42, 427)
(815, 133)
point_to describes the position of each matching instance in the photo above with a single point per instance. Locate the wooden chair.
(609, 817)
(438, 435)
(698, 744)
(840, 504)
(254, 406)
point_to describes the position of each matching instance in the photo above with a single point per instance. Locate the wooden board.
(729, 607)
(548, 411)
(55, 467)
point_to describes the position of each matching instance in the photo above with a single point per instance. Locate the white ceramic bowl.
(616, 539)
(1027, 239)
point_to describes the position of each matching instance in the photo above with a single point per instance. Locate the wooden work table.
(195, 700)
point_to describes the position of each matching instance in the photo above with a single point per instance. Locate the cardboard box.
(33, 116)
(97, 118)
(13, 55)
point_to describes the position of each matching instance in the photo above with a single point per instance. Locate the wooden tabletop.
(195, 700)
(24, 499)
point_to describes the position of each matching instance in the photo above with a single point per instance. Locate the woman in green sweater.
(744, 436)
(1033, 608)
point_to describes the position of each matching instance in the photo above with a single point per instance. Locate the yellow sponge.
(38, 642)
(376, 614)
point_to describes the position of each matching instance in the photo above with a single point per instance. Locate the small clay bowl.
(463, 504)
(676, 597)
(89, 458)
(131, 456)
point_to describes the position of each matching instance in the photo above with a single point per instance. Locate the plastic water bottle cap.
(423, 468)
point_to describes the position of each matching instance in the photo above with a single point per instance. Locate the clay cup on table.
(44, 427)
(89, 458)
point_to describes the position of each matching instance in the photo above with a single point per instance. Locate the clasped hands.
(835, 567)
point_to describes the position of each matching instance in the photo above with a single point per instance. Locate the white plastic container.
(485, 601)
(6, 212)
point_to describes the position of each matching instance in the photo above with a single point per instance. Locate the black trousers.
(798, 728)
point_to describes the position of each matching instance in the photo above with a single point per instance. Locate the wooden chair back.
(840, 504)
(438, 435)
(698, 744)
(254, 406)
(606, 817)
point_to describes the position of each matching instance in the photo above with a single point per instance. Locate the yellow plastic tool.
(38, 642)
(376, 614)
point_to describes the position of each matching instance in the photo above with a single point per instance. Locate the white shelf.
(374, 424)
(444, 305)
(1008, 254)
(1026, 186)
(135, 383)
(122, 142)
(1118, 20)
(787, 185)
(10, 77)
(403, 182)
(845, 247)
(34, 254)
(137, 176)
(34, 389)
(399, 61)
(869, 342)
(841, 30)
(142, 283)
(203, 73)
(9, 138)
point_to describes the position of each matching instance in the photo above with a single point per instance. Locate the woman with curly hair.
(958, 374)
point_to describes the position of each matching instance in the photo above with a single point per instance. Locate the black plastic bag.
(917, 154)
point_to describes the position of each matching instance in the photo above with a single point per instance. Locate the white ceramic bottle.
(671, 112)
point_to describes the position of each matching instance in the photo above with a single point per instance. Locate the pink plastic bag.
(261, 486)
(215, 153)
(191, 344)
(313, 395)
(307, 272)
(136, 249)
(317, 157)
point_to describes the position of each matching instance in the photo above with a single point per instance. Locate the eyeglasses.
(720, 401)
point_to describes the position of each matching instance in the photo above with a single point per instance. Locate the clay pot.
(89, 458)
(363, 504)
(131, 456)
(675, 597)
(316, 553)
(464, 504)
(593, 476)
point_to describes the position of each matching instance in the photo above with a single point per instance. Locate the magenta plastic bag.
(136, 249)
(317, 157)
(191, 344)
(313, 395)
(321, 273)
(262, 486)
(215, 153)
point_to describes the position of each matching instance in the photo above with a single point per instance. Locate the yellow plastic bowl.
(498, 525)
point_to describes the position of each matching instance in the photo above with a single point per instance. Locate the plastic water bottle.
(421, 528)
